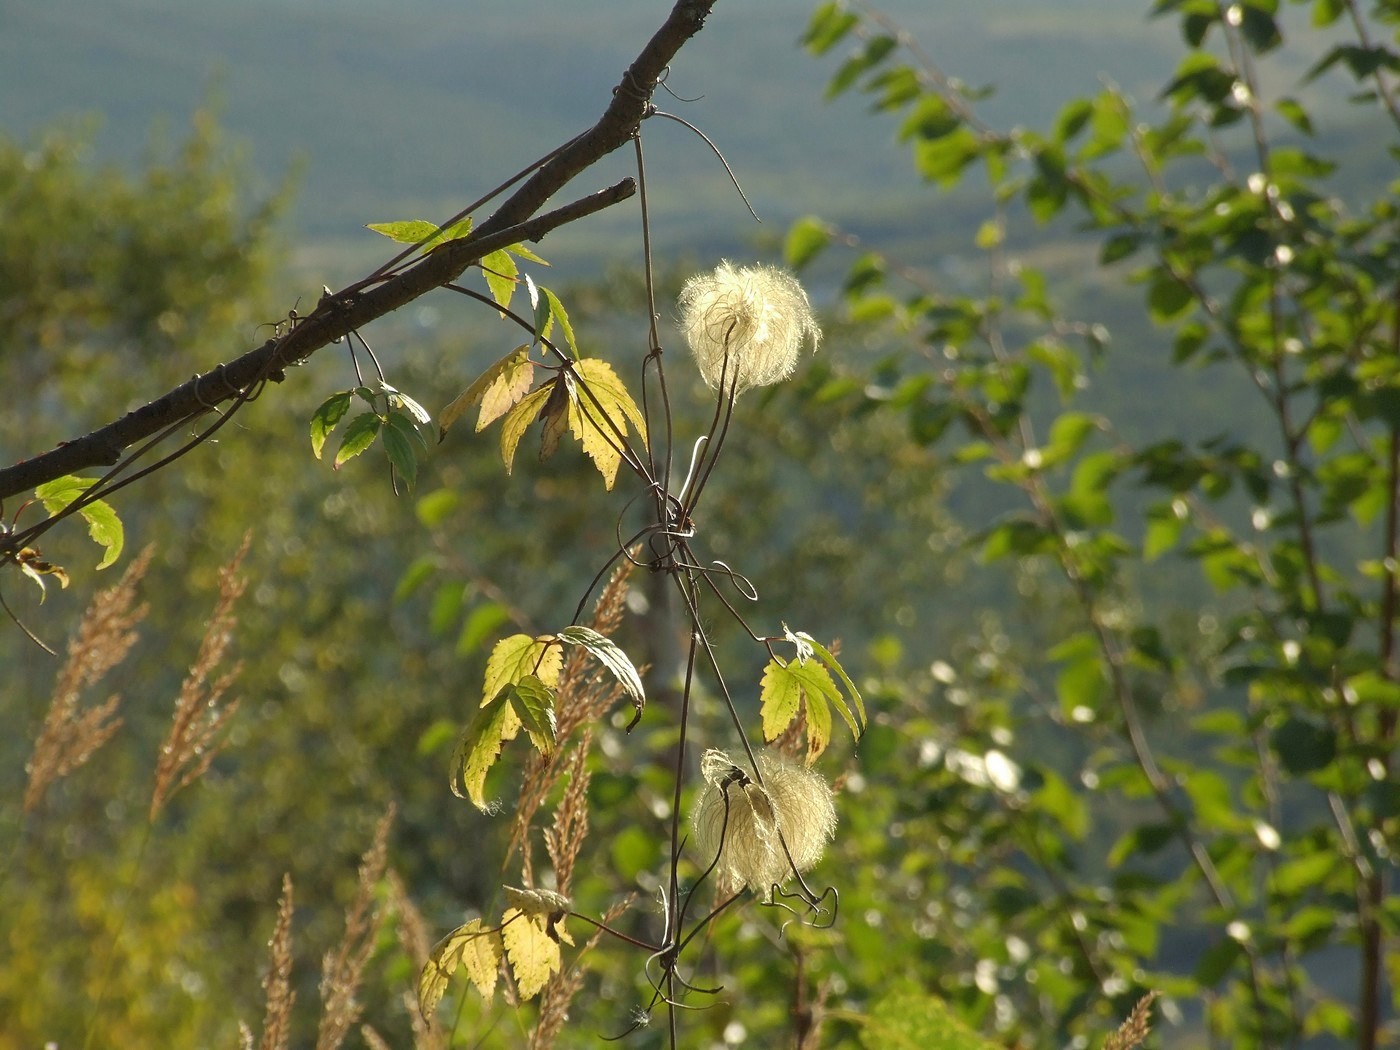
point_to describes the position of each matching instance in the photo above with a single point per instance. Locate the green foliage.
(104, 527)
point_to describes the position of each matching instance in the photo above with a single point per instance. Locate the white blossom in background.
(746, 326)
(793, 800)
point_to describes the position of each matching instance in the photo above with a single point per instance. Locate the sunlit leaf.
(786, 688)
(510, 385)
(359, 435)
(517, 656)
(421, 232)
(533, 703)
(519, 418)
(857, 719)
(557, 314)
(474, 393)
(518, 248)
(32, 564)
(611, 657)
(909, 1020)
(532, 953)
(537, 902)
(501, 273)
(325, 418)
(479, 748)
(476, 949)
(104, 527)
(600, 408)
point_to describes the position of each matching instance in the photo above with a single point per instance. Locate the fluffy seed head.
(746, 326)
(793, 807)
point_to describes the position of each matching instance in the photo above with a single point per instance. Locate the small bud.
(792, 807)
(746, 326)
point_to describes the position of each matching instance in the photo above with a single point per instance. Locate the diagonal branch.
(339, 313)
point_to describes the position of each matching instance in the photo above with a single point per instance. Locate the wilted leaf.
(325, 418)
(32, 564)
(556, 419)
(611, 657)
(533, 954)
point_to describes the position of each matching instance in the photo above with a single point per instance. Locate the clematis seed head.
(792, 807)
(746, 325)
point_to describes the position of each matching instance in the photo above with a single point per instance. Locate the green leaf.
(359, 435)
(517, 656)
(912, 1020)
(553, 311)
(787, 687)
(407, 231)
(104, 527)
(533, 703)
(501, 273)
(1303, 746)
(479, 748)
(330, 413)
(828, 25)
(613, 658)
(856, 720)
(805, 241)
(503, 377)
(398, 439)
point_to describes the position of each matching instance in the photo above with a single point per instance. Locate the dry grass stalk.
(1134, 1031)
(565, 838)
(277, 1015)
(417, 942)
(559, 993)
(70, 735)
(201, 713)
(344, 967)
(373, 1039)
(585, 694)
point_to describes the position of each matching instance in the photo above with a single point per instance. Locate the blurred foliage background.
(1095, 479)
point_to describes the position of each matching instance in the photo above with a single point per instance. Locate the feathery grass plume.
(277, 1015)
(70, 736)
(416, 942)
(564, 840)
(344, 967)
(201, 714)
(746, 326)
(1133, 1032)
(793, 807)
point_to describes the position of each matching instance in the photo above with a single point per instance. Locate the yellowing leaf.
(519, 418)
(600, 409)
(517, 656)
(507, 388)
(556, 420)
(478, 950)
(501, 272)
(855, 719)
(784, 688)
(479, 748)
(477, 391)
(533, 954)
(537, 902)
(533, 703)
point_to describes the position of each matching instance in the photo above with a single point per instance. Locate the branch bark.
(357, 305)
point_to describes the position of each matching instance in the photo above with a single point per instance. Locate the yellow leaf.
(518, 420)
(476, 949)
(479, 748)
(515, 657)
(600, 409)
(537, 902)
(477, 390)
(507, 388)
(533, 954)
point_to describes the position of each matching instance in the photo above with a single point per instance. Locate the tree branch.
(357, 305)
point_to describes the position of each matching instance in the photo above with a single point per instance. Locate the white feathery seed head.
(793, 800)
(746, 325)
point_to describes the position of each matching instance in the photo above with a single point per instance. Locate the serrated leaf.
(785, 688)
(518, 248)
(533, 954)
(559, 314)
(407, 231)
(519, 655)
(533, 703)
(325, 418)
(479, 748)
(537, 902)
(501, 273)
(399, 446)
(600, 408)
(476, 949)
(611, 657)
(856, 720)
(510, 385)
(414, 409)
(474, 393)
(104, 527)
(519, 418)
(359, 435)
